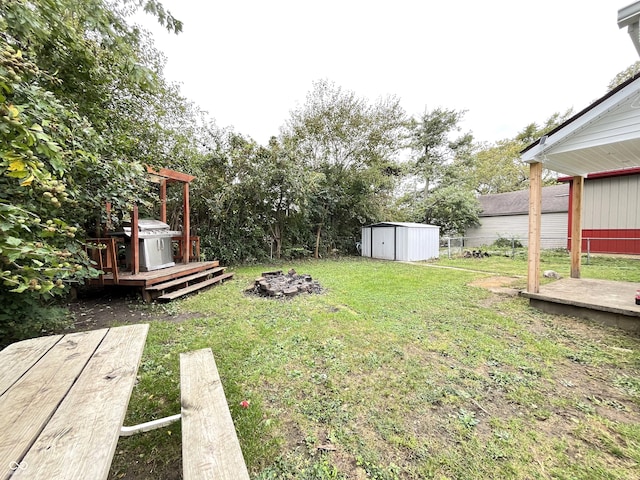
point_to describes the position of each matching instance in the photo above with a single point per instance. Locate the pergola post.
(163, 200)
(535, 211)
(135, 250)
(164, 177)
(577, 186)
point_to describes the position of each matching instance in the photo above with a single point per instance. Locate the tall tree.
(353, 146)
(441, 192)
(63, 66)
(433, 146)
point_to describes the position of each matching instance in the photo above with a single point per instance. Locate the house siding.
(611, 215)
(611, 203)
(553, 230)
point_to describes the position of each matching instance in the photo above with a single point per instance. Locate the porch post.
(576, 225)
(535, 208)
(186, 226)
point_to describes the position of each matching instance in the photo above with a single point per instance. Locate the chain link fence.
(515, 246)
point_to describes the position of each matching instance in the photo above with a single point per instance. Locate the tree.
(624, 75)
(352, 145)
(441, 193)
(452, 208)
(497, 168)
(64, 66)
(283, 190)
(432, 145)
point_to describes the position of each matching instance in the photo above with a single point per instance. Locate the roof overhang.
(401, 224)
(629, 17)
(570, 149)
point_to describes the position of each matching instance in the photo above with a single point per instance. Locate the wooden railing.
(104, 252)
(194, 251)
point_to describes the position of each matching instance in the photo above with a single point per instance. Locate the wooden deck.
(169, 283)
(147, 279)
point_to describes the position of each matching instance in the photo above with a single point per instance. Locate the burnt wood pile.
(278, 284)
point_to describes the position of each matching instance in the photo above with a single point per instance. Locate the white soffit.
(605, 137)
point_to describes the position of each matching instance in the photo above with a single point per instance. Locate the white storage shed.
(401, 241)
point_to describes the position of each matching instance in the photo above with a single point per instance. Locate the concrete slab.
(609, 302)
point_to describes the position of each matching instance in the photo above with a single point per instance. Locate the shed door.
(383, 242)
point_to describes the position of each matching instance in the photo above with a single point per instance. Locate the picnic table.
(63, 399)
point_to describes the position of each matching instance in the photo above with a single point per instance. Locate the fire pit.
(277, 284)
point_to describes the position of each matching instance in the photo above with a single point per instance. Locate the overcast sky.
(506, 62)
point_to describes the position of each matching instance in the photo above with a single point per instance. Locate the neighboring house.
(610, 211)
(506, 215)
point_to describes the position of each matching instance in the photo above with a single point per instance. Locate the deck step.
(192, 288)
(179, 281)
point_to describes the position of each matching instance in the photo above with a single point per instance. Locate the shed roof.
(402, 224)
(555, 199)
(604, 136)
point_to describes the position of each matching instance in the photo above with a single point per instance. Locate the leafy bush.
(503, 242)
(29, 314)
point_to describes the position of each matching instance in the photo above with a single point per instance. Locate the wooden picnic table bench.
(210, 447)
(63, 400)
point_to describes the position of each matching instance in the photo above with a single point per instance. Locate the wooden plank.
(27, 406)
(19, 357)
(535, 216)
(145, 279)
(80, 439)
(171, 174)
(210, 446)
(195, 287)
(577, 188)
(181, 280)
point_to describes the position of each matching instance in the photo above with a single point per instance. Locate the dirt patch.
(112, 306)
(498, 284)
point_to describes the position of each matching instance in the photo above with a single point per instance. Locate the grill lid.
(149, 227)
(151, 224)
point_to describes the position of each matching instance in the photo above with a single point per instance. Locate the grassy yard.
(401, 371)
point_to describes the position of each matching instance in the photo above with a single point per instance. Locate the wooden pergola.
(604, 136)
(163, 177)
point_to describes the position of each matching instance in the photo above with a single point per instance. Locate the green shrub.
(503, 242)
(28, 314)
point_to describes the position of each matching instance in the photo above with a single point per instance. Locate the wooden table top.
(63, 399)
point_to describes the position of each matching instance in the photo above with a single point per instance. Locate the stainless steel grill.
(154, 242)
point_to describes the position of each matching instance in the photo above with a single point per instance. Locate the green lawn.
(401, 371)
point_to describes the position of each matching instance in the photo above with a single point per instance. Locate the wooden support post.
(576, 225)
(135, 246)
(535, 211)
(163, 200)
(186, 227)
(109, 225)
